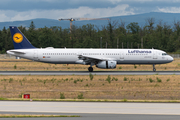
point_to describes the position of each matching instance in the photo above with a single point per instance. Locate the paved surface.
(91, 107)
(87, 73)
(93, 110)
(100, 117)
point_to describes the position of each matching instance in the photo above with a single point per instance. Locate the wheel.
(154, 69)
(90, 69)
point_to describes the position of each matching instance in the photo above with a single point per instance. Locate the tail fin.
(19, 40)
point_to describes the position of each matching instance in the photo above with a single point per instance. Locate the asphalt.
(91, 107)
(87, 73)
(93, 110)
(99, 117)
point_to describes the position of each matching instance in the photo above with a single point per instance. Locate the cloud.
(3, 17)
(118, 1)
(115, 1)
(169, 9)
(55, 9)
(119, 10)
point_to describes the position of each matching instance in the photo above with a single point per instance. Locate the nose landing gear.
(154, 69)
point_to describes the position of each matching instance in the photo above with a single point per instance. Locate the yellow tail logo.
(17, 38)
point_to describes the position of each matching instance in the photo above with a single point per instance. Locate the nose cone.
(171, 58)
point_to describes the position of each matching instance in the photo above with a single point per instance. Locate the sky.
(19, 10)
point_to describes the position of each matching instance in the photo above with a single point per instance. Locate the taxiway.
(87, 73)
(91, 107)
(93, 110)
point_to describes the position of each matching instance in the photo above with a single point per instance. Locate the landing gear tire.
(154, 69)
(90, 69)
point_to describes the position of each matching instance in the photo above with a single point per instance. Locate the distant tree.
(162, 36)
(150, 22)
(111, 27)
(32, 34)
(46, 38)
(133, 27)
(32, 26)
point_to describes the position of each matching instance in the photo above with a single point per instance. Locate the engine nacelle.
(106, 64)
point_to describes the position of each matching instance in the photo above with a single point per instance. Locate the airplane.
(101, 58)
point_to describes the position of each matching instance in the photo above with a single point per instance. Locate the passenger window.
(164, 54)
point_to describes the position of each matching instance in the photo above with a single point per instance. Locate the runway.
(87, 73)
(91, 107)
(95, 110)
(101, 117)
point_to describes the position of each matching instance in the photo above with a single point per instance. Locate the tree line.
(114, 35)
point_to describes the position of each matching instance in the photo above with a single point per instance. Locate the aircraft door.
(154, 54)
(121, 56)
(35, 55)
(80, 53)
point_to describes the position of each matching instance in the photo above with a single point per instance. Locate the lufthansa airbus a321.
(101, 58)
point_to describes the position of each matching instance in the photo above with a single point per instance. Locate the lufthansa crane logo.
(17, 38)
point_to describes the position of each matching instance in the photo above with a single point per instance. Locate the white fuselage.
(71, 56)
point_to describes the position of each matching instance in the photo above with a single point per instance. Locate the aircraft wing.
(89, 59)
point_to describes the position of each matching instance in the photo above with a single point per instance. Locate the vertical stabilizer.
(19, 40)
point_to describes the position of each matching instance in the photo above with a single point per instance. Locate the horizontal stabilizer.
(16, 52)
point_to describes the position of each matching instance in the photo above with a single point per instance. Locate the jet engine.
(106, 64)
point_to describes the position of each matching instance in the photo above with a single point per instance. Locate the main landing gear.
(154, 69)
(90, 69)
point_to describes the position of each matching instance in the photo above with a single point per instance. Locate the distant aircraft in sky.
(101, 58)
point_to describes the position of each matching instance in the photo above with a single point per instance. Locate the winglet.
(19, 40)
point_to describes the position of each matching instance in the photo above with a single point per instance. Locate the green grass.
(3, 98)
(135, 66)
(91, 76)
(62, 96)
(124, 100)
(125, 79)
(151, 80)
(15, 66)
(108, 79)
(75, 81)
(158, 79)
(80, 96)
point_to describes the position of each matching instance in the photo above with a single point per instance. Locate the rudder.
(19, 40)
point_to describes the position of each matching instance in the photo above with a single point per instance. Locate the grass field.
(28, 65)
(132, 87)
(149, 87)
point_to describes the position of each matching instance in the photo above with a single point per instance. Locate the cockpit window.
(164, 54)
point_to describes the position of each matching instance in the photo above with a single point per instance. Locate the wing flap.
(83, 57)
